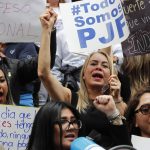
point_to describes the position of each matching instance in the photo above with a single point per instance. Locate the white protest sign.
(19, 20)
(15, 126)
(140, 143)
(93, 24)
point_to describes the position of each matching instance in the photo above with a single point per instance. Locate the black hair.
(130, 112)
(3, 68)
(42, 134)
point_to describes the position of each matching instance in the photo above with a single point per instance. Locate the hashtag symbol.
(75, 9)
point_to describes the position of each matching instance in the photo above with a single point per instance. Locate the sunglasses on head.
(144, 109)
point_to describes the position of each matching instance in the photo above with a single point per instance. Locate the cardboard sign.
(137, 13)
(91, 25)
(15, 126)
(19, 20)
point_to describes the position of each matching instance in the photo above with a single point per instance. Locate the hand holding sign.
(94, 24)
(48, 19)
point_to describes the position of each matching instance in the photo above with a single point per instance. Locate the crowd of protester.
(108, 98)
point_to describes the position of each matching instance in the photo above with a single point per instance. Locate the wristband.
(116, 118)
(114, 115)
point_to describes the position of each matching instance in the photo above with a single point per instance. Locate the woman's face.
(143, 121)
(97, 71)
(68, 134)
(3, 88)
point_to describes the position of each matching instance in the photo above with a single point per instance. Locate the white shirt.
(63, 55)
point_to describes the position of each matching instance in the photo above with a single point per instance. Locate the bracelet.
(117, 120)
(114, 115)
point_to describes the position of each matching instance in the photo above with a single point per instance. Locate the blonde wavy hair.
(83, 100)
(137, 68)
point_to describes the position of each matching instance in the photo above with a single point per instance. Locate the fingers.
(102, 99)
(105, 103)
(48, 18)
(47, 14)
(114, 82)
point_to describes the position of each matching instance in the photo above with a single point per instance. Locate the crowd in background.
(97, 95)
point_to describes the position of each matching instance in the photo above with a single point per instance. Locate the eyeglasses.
(144, 109)
(77, 124)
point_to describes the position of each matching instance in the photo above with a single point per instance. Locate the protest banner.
(140, 143)
(137, 14)
(15, 126)
(20, 20)
(91, 25)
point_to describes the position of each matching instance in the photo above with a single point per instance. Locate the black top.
(96, 124)
(18, 73)
(21, 72)
(22, 51)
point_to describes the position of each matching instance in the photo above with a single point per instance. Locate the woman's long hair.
(130, 112)
(137, 68)
(3, 68)
(83, 101)
(42, 134)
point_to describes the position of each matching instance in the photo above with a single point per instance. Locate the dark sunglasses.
(144, 109)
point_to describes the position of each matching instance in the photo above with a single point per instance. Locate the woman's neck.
(93, 93)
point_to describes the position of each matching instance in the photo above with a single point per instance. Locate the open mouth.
(1, 93)
(70, 136)
(97, 75)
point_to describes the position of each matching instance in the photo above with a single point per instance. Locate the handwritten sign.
(20, 20)
(137, 13)
(91, 25)
(15, 126)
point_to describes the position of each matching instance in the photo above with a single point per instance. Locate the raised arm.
(53, 86)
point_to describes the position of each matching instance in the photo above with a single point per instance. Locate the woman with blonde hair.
(94, 100)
